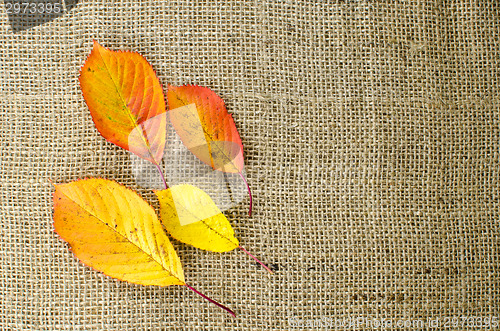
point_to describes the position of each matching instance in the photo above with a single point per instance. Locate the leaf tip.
(95, 44)
(96, 47)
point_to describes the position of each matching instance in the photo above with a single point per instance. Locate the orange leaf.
(126, 101)
(200, 118)
(113, 230)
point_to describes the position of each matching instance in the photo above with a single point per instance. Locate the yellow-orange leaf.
(190, 216)
(126, 101)
(113, 230)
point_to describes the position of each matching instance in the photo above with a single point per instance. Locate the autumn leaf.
(126, 101)
(190, 216)
(201, 120)
(113, 230)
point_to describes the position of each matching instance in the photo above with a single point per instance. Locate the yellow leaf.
(190, 216)
(113, 230)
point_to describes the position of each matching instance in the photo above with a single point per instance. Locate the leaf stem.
(211, 300)
(161, 174)
(256, 259)
(249, 193)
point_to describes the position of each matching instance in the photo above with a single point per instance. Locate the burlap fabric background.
(372, 148)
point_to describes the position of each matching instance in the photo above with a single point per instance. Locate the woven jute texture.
(371, 134)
